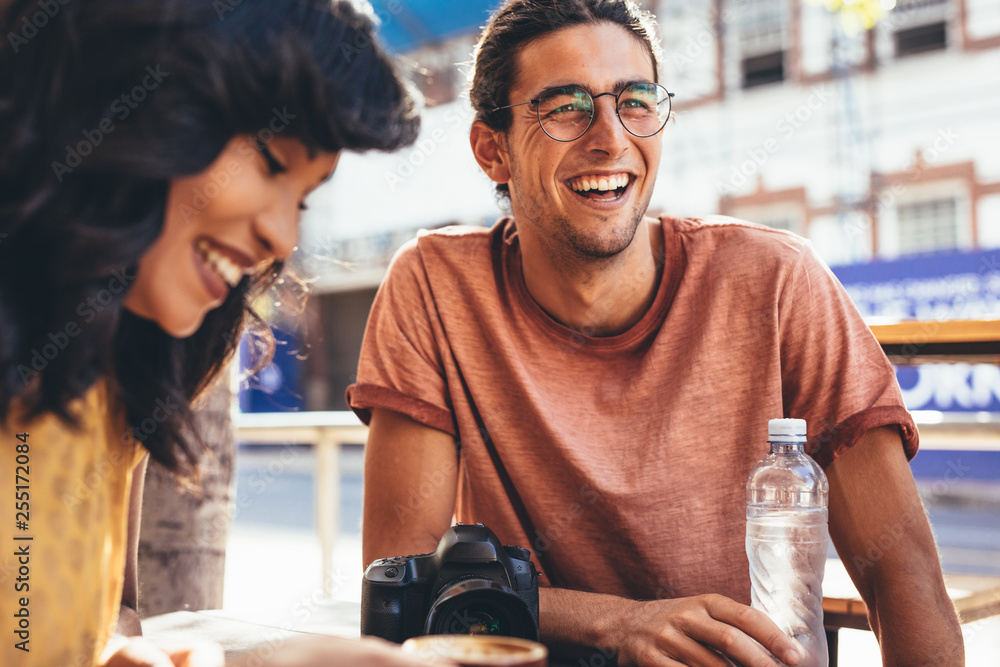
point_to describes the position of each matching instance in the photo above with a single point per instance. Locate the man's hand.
(695, 631)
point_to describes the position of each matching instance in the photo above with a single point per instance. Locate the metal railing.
(326, 431)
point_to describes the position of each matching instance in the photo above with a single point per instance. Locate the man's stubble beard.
(568, 242)
(599, 247)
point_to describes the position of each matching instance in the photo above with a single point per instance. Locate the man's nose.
(606, 132)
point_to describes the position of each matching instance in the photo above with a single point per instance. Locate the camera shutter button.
(517, 552)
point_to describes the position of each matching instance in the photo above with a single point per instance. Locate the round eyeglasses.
(567, 112)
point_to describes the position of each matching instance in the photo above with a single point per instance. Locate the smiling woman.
(245, 115)
(154, 159)
(213, 236)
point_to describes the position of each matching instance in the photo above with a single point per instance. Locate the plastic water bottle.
(786, 544)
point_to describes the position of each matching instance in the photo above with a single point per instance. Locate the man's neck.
(597, 297)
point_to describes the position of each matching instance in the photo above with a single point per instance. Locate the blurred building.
(879, 145)
(875, 144)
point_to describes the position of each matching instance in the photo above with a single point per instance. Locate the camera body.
(470, 585)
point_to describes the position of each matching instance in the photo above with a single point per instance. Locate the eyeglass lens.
(566, 113)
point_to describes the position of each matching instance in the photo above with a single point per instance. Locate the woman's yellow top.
(64, 499)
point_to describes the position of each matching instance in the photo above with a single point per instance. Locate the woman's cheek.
(224, 192)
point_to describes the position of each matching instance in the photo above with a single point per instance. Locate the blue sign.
(942, 286)
(950, 387)
(274, 388)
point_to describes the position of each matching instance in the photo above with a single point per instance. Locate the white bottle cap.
(786, 430)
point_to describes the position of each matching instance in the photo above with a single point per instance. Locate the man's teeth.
(221, 264)
(601, 183)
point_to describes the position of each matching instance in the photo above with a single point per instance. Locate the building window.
(927, 226)
(762, 27)
(761, 70)
(919, 26)
(920, 39)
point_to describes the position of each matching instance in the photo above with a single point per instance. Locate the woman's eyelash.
(273, 165)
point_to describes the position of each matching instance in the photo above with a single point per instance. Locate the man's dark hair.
(519, 22)
(85, 167)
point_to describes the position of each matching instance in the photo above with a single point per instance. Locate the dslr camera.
(470, 585)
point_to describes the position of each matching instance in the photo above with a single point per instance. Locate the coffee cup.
(479, 650)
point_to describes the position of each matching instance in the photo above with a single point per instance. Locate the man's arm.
(410, 482)
(881, 532)
(411, 477)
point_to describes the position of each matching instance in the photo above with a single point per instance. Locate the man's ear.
(486, 147)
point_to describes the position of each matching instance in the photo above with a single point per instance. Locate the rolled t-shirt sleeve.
(400, 367)
(834, 373)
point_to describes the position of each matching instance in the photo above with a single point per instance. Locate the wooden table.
(975, 598)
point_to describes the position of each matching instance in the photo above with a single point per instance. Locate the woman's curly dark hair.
(102, 104)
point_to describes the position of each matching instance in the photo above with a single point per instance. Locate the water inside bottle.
(787, 554)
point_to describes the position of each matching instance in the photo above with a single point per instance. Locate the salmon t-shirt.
(621, 461)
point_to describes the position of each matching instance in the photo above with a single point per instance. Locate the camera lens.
(480, 607)
(483, 623)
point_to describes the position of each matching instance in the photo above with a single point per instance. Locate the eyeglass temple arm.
(534, 101)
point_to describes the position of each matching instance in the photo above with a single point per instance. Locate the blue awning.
(409, 24)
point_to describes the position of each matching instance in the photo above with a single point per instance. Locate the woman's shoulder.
(94, 427)
(74, 481)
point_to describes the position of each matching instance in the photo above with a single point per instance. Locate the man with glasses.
(595, 384)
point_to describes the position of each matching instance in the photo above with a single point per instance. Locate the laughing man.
(595, 384)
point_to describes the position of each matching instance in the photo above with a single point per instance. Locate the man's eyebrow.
(622, 84)
(616, 87)
(558, 84)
